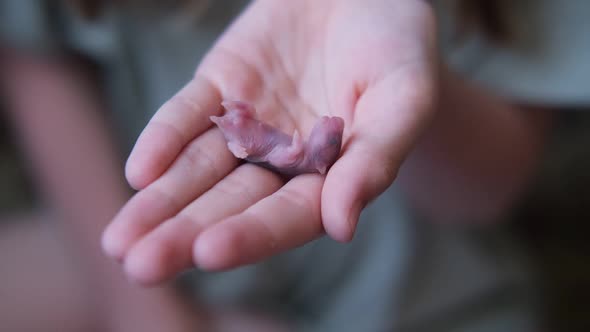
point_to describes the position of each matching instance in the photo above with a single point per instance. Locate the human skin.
(76, 168)
(372, 63)
(478, 155)
(195, 206)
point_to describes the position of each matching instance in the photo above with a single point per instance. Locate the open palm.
(370, 62)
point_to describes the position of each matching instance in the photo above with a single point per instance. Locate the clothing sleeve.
(545, 62)
(48, 27)
(29, 25)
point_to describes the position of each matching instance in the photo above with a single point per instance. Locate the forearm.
(477, 156)
(56, 110)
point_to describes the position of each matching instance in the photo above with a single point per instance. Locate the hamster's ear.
(322, 169)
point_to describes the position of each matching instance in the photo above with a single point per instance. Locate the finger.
(175, 124)
(343, 200)
(167, 250)
(389, 118)
(286, 219)
(202, 164)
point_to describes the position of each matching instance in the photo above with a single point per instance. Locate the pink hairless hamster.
(254, 141)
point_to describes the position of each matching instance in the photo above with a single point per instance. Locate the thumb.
(385, 128)
(354, 180)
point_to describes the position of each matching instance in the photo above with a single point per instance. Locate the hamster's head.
(325, 142)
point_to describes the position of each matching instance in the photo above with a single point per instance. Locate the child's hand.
(370, 62)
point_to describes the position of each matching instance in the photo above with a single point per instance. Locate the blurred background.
(136, 63)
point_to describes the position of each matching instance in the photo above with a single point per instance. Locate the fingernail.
(354, 216)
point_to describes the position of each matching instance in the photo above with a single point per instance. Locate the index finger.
(181, 119)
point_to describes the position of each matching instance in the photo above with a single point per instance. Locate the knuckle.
(297, 199)
(203, 159)
(236, 186)
(182, 102)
